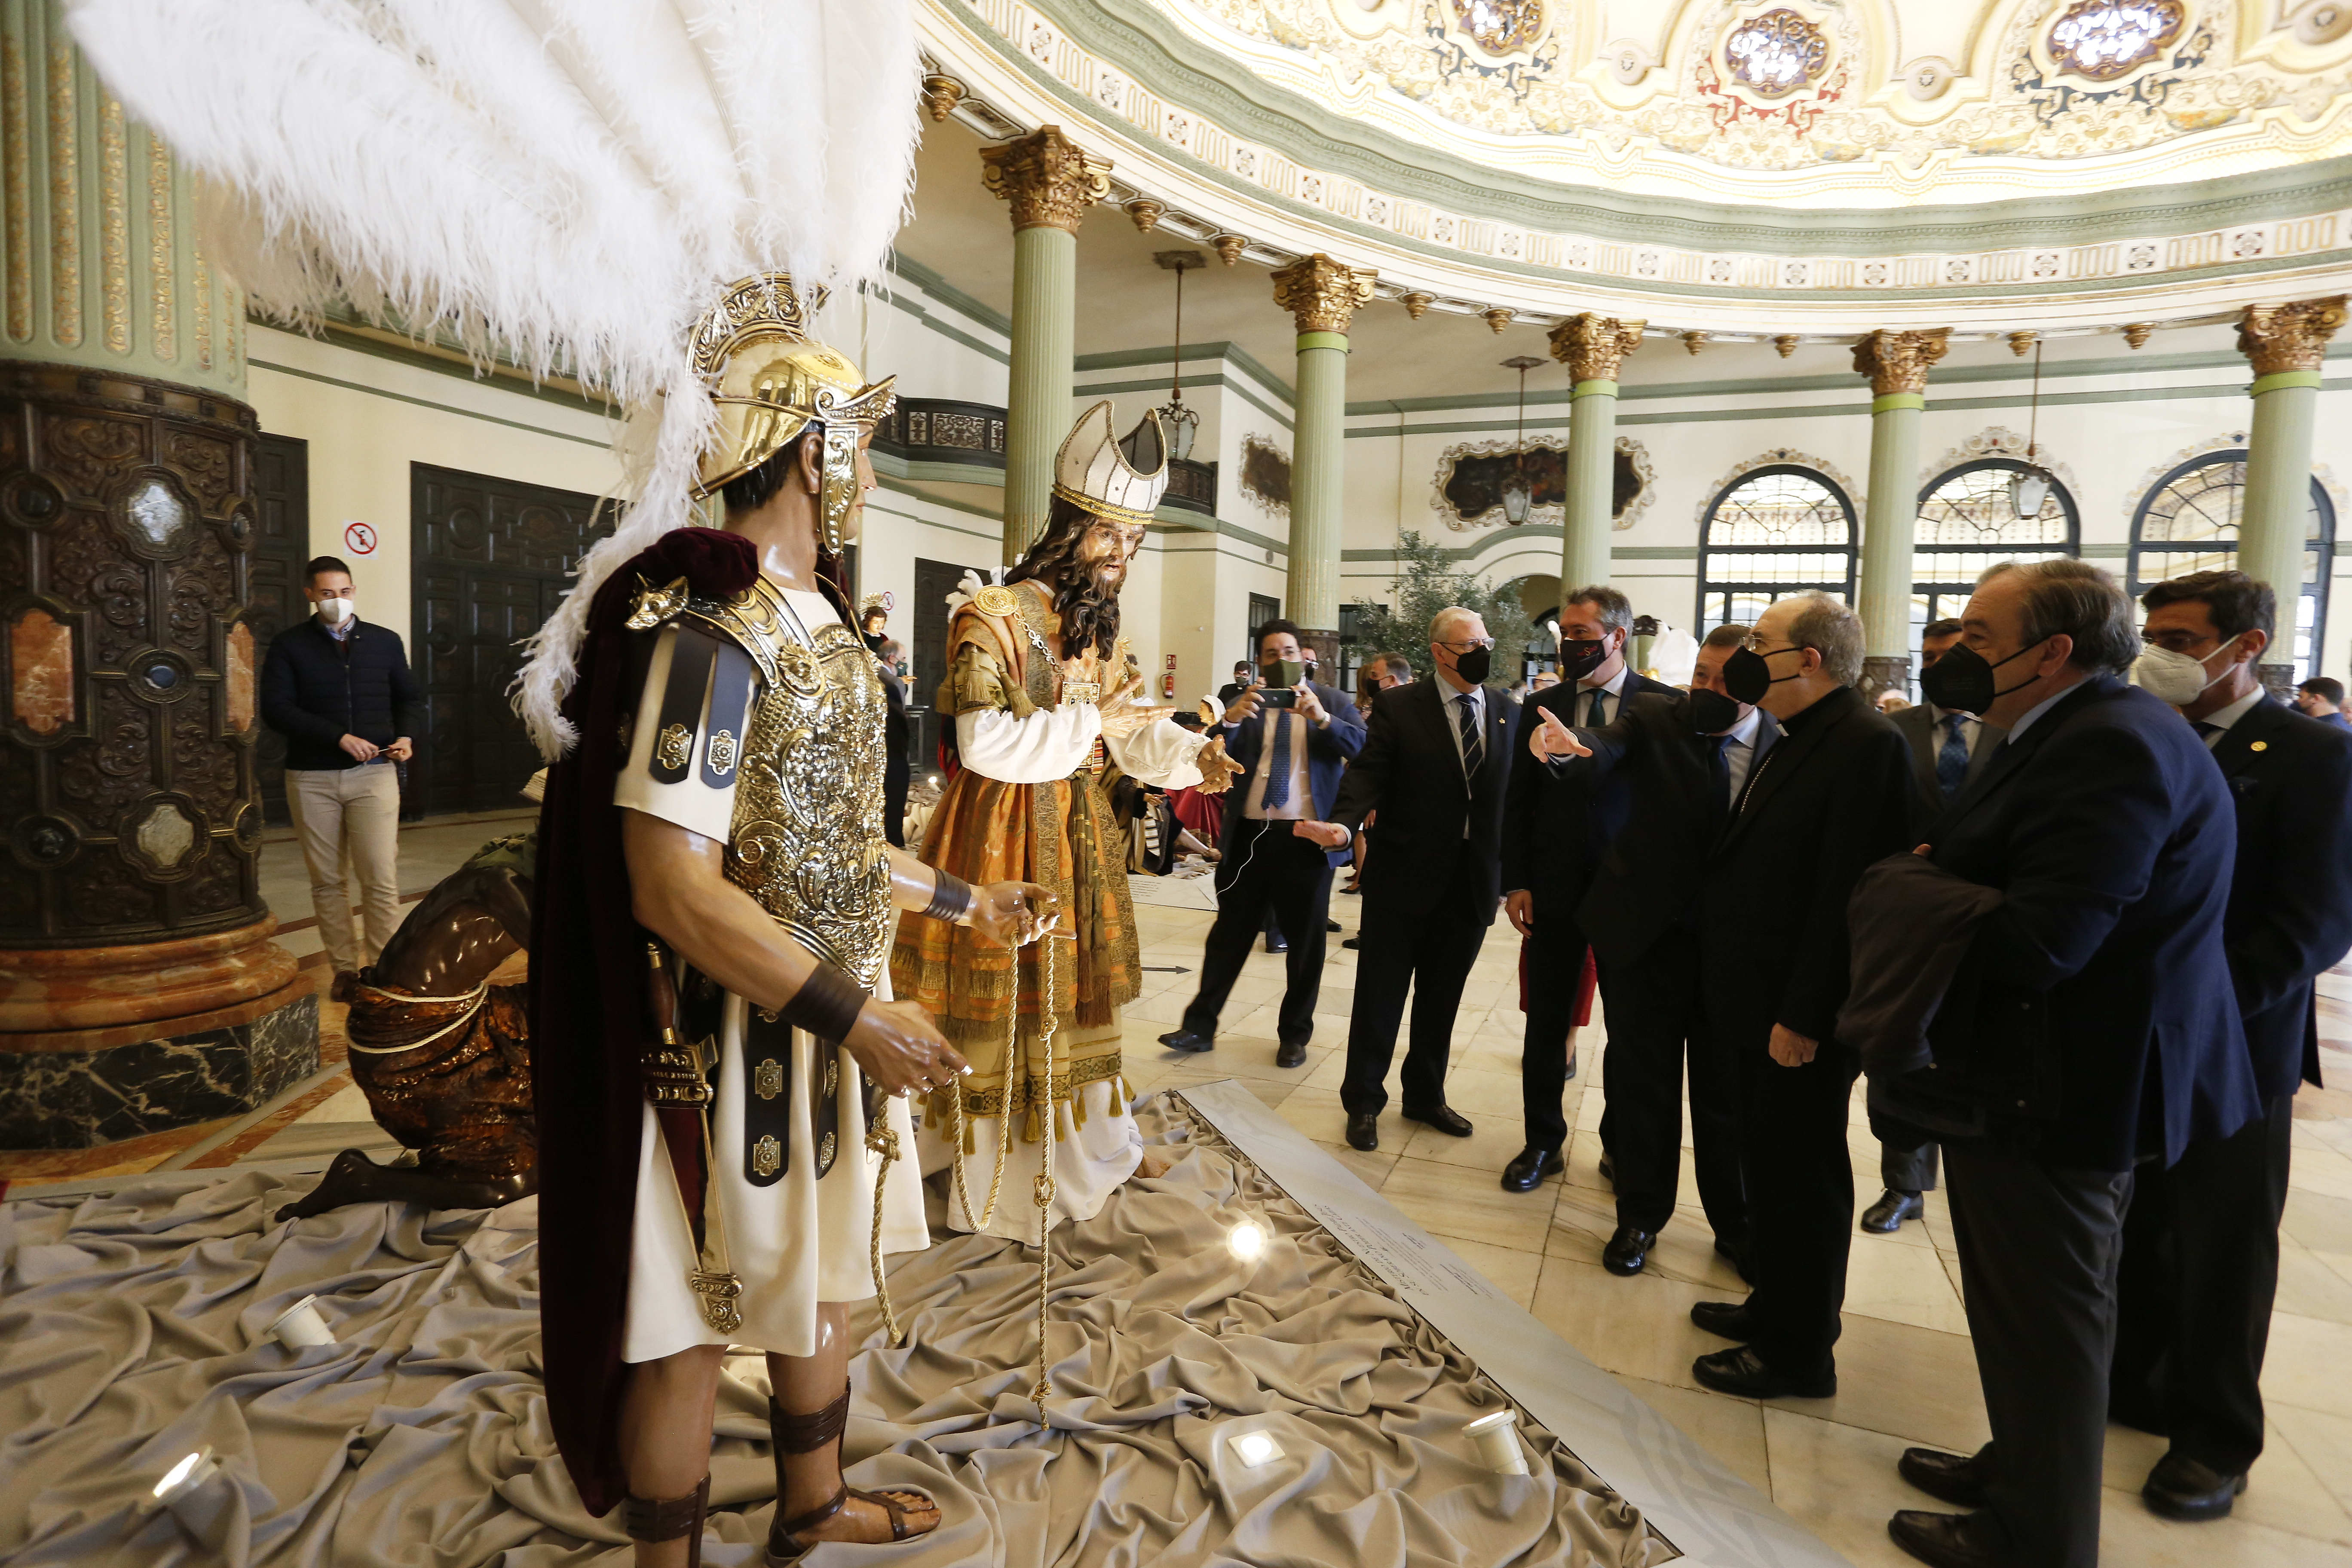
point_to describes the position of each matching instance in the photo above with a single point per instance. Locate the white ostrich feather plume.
(567, 183)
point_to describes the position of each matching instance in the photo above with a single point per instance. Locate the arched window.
(1774, 530)
(2188, 523)
(1967, 522)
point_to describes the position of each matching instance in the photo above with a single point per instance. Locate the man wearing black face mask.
(1829, 799)
(1684, 759)
(2091, 1025)
(1436, 763)
(1554, 829)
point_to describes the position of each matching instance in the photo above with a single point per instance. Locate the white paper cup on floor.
(1498, 1436)
(299, 1326)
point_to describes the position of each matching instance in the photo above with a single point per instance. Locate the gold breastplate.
(807, 840)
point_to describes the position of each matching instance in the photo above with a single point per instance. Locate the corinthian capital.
(1593, 347)
(1050, 180)
(1321, 294)
(1898, 362)
(2289, 337)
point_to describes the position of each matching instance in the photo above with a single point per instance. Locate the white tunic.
(1092, 1159)
(799, 1241)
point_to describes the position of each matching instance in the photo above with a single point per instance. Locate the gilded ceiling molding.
(1779, 458)
(17, 175)
(114, 224)
(65, 195)
(1223, 172)
(1049, 180)
(1322, 295)
(202, 290)
(1999, 441)
(162, 260)
(1898, 361)
(1594, 347)
(2276, 338)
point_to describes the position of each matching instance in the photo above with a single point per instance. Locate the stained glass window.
(1774, 531)
(2188, 522)
(1968, 522)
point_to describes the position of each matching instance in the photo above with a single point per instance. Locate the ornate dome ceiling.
(1757, 166)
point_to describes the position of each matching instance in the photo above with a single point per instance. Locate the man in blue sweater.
(340, 691)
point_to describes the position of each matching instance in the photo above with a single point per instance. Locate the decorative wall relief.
(1999, 441)
(1266, 476)
(1467, 487)
(1778, 457)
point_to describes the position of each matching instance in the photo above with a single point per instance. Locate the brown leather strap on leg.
(651, 1520)
(805, 1434)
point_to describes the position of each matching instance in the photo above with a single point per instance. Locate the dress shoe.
(1953, 1540)
(1188, 1040)
(1444, 1118)
(1290, 1054)
(1363, 1129)
(2190, 1490)
(1960, 1479)
(1530, 1170)
(1743, 1373)
(1627, 1251)
(341, 990)
(1725, 1319)
(1331, 925)
(1350, 944)
(1885, 1216)
(1277, 944)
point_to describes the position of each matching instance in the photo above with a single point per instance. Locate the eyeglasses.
(1754, 644)
(1466, 647)
(2176, 640)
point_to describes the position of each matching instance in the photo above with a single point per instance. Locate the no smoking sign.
(359, 538)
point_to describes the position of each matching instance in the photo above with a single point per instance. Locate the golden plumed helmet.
(772, 381)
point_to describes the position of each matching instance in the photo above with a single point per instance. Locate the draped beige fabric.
(131, 1330)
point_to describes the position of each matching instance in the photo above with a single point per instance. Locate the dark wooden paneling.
(281, 494)
(927, 652)
(488, 568)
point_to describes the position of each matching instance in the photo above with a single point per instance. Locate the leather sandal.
(651, 1520)
(805, 1434)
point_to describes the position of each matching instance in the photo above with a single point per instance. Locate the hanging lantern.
(2028, 490)
(1515, 496)
(1519, 490)
(1178, 422)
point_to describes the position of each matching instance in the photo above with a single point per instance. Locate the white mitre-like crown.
(1108, 477)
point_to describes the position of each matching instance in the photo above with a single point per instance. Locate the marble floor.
(1905, 1372)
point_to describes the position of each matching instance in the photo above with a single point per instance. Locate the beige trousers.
(356, 810)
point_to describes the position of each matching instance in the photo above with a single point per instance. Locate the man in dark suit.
(2091, 1024)
(1436, 763)
(1687, 758)
(2322, 698)
(1291, 759)
(2200, 1245)
(1555, 827)
(1948, 749)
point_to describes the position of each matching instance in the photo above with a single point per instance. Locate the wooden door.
(488, 568)
(282, 548)
(926, 638)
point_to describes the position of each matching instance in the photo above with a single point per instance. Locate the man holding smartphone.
(1292, 738)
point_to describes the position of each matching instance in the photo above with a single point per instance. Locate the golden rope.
(1045, 1024)
(1005, 1128)
(883, 1139)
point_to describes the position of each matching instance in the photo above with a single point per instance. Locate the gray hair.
(1831, 629)
(2075, 599)
(1612, 609)
(1450, 615)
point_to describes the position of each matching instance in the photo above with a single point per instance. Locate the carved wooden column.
(2285, 344)
(1050, 182)
(1592, 347)
(138, 988)
(1322, 297)
(1897, 364)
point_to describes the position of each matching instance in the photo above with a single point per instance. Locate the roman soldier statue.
(1041, 688)
(716, 1051)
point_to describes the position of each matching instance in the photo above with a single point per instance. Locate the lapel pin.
(2260, 746)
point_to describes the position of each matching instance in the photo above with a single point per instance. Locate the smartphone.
(1278, 697)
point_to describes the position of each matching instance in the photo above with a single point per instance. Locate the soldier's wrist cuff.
(826, 1005)
(951, 898)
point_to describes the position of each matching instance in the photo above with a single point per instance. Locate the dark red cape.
(587, 1022)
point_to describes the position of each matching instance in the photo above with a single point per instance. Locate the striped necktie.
(1474, 747)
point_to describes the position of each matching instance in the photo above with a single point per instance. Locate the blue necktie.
(1277, 763)
(1952, 757)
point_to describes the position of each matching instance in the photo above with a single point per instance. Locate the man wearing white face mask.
(339, 690)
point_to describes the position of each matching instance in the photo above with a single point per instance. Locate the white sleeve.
(1161, 753)
(1050, 744)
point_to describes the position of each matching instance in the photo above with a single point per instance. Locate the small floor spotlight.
(1247, 1240)
(1254, 1448)
(1498, 1436)
(183, 1480)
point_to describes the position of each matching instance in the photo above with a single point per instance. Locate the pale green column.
(1585, 533)
(1322, 297)
(1592, 347)
(1038, 403)
(2286, 344)
(1897, 364)
(1050, 182)
(1318, 481)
